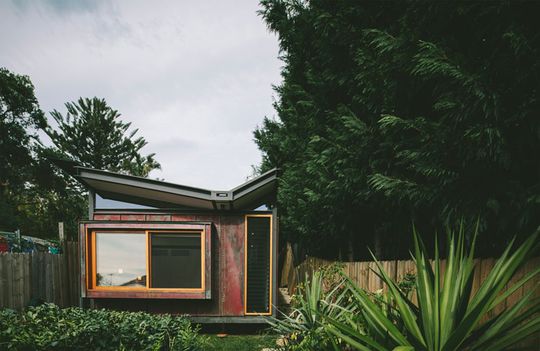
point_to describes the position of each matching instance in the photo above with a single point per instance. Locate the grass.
(241, 342)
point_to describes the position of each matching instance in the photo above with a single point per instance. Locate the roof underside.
(121, 187)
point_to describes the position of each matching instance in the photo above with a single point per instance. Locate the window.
(146, 262)
(120, 259)
(103, 203)
(258, 265)
(176, 260)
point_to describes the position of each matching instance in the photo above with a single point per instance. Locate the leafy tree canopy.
(92, 134)
(34, 195)
(397, 112)
(20, 118)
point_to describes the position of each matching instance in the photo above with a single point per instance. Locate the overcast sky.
(194, 76)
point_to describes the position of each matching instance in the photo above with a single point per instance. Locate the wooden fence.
(363, 275)
(27, 277)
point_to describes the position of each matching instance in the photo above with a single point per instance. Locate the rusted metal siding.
(226, 266)
(106, 217)
(158, 218)
(132, 217)
(232, 265)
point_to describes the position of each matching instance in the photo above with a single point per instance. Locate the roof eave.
(251, 193)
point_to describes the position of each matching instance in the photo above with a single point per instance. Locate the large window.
(150, 261)
(120, 259)
(176, 260)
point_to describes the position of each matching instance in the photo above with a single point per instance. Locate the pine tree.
(92, 133)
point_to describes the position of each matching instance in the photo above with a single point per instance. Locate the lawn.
(242, 342)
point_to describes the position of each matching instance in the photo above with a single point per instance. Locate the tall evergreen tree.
(92, 133)
(398, 112)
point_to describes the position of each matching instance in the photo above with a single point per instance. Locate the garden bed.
(48, 327)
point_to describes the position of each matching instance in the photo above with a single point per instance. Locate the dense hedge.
(392, 112)
(49, 327)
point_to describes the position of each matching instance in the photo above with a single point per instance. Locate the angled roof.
(157, 193)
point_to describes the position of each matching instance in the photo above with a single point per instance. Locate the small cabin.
(161, 247)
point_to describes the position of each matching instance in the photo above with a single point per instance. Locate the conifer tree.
(92, 133)
(391, 113)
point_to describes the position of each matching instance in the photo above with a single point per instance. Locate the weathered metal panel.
(158, 218)
(182, 217)
(106, 217)
(206, 218)
(132, 217)
(232, 265)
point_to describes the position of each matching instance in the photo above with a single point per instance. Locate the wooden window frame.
(270, 278)
(94, 291)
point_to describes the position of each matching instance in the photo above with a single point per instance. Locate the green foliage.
(391, 112)
(32, 198)
(327, 296)
(448, 316)
(316, 299)
(20, 118)
(34, 195)
(241, 343)
(92, 134)
(48, 327)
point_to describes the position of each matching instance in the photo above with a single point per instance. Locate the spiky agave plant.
(303, 328)
(448, 315)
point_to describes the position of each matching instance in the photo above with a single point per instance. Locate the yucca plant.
(304, 327)
(447, 316)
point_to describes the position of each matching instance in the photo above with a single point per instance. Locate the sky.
(120, 257)
(195, 77)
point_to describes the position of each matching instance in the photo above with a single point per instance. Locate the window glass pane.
(176, 260)
(121, 259)
(110, 204)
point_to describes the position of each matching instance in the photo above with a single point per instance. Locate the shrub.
(448, 316)
(324, 295)
(48, 327)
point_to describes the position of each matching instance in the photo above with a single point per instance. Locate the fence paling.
(363, 275)
(39, 276)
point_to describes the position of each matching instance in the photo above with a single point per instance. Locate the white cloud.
(195, 77)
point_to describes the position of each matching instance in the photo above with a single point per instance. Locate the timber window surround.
(148, 263)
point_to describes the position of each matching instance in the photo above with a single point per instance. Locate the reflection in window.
(176, 260)
(108, 204)
(121, 259)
